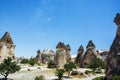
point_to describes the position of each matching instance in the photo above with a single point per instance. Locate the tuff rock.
(113, 58)
(6, 47)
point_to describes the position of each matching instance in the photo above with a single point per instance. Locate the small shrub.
(51, 64)
(116, 78)
(99, 78)
(41, 77)
(38, 67)
(59, 73)
(32, 61)
(24, 61)
(28, 69)
(87, 72)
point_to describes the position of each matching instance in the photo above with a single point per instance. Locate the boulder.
(6, 47)
(113, 58)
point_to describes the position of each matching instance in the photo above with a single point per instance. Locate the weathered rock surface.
(78, 59)
(6, 47)
(113, 58)
(89, 55)
(68, 55)
(47, 55)
(38, 57)
(103, 54)
(60, 56)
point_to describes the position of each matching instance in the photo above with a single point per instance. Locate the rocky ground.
(25, 74)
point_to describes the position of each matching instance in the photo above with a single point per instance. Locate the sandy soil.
(49, 74)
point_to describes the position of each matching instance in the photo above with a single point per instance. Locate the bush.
(41, 77)
(28, 69)
(51, 64)
(24, 61)
(32, 61)
(59, 73)
(87, 72)
(99, 78)
(116, 78)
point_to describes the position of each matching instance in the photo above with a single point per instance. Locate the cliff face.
(113, 58)
(6, 47)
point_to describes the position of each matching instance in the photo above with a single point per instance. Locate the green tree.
(59, 73)
(8, 66)
(95, 63)
(69, 67)
(51, 64)
(32, 61)
(25, 61)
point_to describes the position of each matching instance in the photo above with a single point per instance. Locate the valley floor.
(49, 74)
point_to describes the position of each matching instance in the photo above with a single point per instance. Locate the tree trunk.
(68, 73)
(6, 76)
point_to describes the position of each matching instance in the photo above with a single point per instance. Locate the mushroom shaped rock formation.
(60, 56)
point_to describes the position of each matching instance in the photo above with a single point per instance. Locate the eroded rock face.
(60, 57)
(38, 57)
(113, 58)
(78, 59)
(6, 47)
(89, 55)
(68, 55)
(47, 55)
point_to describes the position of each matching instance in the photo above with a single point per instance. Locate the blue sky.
(41, 24)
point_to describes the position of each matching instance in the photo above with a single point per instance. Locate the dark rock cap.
(90, 44)
(81, 48)
(60, 45)
(68, 47)
(117, 18)
(38, 51)
(7, 38)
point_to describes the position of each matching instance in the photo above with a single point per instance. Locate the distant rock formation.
(6, 47)
(47, 55)
(89, 55)
(62, 55)
(38, 57)
(78, 59)
(103, 54)
(113, 58)
(68, 56)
